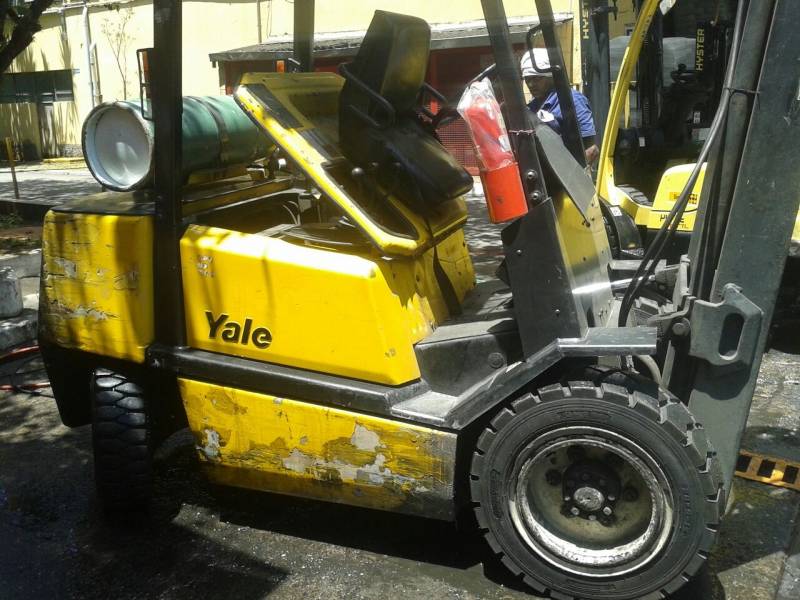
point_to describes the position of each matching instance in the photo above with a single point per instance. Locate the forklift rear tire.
(121, 437)
(591, 492)
(636, 195)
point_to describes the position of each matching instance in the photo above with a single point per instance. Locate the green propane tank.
(118, 141)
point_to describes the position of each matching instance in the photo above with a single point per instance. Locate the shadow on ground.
(201, 541)
(57, 543)
(48, 191)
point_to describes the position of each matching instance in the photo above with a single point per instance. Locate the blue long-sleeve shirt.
(583, 112)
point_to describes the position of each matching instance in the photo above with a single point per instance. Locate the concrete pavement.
(44, 187)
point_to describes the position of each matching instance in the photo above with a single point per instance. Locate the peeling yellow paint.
(94, 297)
(287, 446)
(204, 266)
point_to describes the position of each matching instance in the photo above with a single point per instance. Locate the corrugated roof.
(346, 43)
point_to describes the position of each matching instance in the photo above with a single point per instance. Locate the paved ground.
(38, 184)
(202, 542)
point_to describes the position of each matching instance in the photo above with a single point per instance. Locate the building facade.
(85, 54)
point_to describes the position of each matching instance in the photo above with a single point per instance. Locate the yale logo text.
(236, 333)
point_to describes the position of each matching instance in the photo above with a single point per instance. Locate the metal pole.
(87, 43)
(570, 132)
(167, 114)
(596, 59)
(304, 34)
(10, 152)
(258, 21)
(651, 81)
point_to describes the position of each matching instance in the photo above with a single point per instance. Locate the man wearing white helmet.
(545, 101)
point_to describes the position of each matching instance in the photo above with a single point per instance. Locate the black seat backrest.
(378, 122)
(392, 60)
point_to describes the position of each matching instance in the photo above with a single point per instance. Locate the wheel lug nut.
(611, 497)
(567, 498)
(575, 510)
(592, 518)
(607, 511)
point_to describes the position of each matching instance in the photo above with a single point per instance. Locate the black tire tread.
(636, 195)
(121, 441)
(666, 411)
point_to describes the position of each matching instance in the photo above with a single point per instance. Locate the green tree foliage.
(18, 24)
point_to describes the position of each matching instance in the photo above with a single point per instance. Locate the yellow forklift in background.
(642, 171)
(321, 334)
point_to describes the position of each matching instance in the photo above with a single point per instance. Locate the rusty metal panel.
(297, 448)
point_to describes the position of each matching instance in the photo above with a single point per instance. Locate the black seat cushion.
(420, 156)
(392, 61)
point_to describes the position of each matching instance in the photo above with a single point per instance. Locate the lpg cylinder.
(118, 141)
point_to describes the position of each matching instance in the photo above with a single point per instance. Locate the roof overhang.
(346, 43)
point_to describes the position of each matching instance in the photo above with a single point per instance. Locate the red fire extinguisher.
(502, 187)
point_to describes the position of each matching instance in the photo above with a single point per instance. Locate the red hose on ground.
(7, 387)
(18, 354)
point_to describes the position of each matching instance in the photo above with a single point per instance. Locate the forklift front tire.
(121, 437)
(596, 493)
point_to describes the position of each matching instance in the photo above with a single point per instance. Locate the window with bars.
(39, 86)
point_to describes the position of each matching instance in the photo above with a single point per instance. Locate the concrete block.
(25, 264)
(18, 330)
(10, 294)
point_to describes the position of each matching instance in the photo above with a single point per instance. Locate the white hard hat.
(542, 62)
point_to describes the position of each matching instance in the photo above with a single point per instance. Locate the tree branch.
(26, 25)
(4, 4)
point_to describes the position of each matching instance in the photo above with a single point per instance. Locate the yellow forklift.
(321, 334)
(642, 169)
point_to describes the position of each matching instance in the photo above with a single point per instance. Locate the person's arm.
(583, 112)
(590, 149)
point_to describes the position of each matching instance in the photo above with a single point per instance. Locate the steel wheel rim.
(590, 549)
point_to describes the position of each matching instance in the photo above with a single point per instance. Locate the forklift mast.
(596, 67)
(741, 237)
(649, 76)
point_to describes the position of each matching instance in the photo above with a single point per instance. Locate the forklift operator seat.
(379, 128)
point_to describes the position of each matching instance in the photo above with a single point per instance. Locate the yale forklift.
(320, 332)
